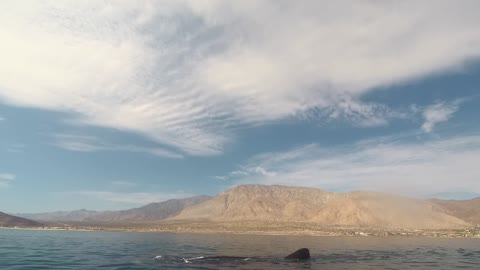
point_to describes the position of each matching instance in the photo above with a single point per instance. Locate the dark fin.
(301, 254)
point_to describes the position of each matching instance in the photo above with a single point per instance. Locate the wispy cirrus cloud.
(6, 179)
(16, 148)
(438, 113)
(354, 112)
(81, 143)
(414, 168)
(187, 73)
(122, 183)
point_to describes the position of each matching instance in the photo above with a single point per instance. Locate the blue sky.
(112, 105)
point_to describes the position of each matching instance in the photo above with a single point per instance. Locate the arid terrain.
(297, 204)
(259, 209)
(13, 221)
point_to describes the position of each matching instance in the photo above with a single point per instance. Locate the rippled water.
(26, 249)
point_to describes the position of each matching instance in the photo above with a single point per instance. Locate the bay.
(36, 249)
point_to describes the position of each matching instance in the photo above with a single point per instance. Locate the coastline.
(296, 229)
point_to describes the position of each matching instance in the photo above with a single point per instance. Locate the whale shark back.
(301, 254)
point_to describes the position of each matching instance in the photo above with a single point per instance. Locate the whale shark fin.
(301, 254)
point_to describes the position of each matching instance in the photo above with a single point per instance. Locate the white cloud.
(81, 143)
(185, 73)
(123, 183)
(419, 168)
(6, 179)
(358, 113)
(221, 178)
(16, 148)
(437, 113)
(138, 198)
(7, 176)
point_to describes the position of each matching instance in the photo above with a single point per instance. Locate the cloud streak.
(16, 148)
(78, 143)
(188, 73)
(6, 179)
(418, 168)
(124, 184)
(438, 113)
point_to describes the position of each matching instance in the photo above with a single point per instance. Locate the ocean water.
(29, 249)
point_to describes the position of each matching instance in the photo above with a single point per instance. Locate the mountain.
(150, 212)
(468, 210)
(299, 204)
(259, 203)
(13, 221)
(61, 216)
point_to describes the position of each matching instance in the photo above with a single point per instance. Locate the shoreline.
(257, 229)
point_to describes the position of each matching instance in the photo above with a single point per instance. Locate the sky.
(109, 105)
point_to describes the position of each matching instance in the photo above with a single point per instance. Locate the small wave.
(189, 260)
(166, 259)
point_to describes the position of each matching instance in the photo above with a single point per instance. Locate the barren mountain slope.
(149, 212)
(13, 221)
(298, 204)
(468, 210)
(60, 216)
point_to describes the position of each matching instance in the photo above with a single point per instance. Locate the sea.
(36, 249)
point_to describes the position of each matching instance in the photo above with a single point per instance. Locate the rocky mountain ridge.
(299, 204)
(285, 204)
(7, 220)
(147, 213)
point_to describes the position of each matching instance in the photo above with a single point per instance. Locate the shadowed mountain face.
(468, 210)
(61, 216)
(149, 212)
(297, 204)
(13, 221)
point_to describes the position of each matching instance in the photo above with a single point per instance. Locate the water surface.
(29, 249)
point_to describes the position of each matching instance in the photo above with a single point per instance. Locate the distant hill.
(150, 212)
(13, 221)
(468, 210)
(298, 204)
(271, 204)
(61, 216)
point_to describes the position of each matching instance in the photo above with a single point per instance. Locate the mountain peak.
(301, 204)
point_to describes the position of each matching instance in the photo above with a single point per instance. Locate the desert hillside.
(468, 210)
(147, 213)
(259, 204)
(13, 221)
(298, 204)
(60, 216)
(150, 212)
